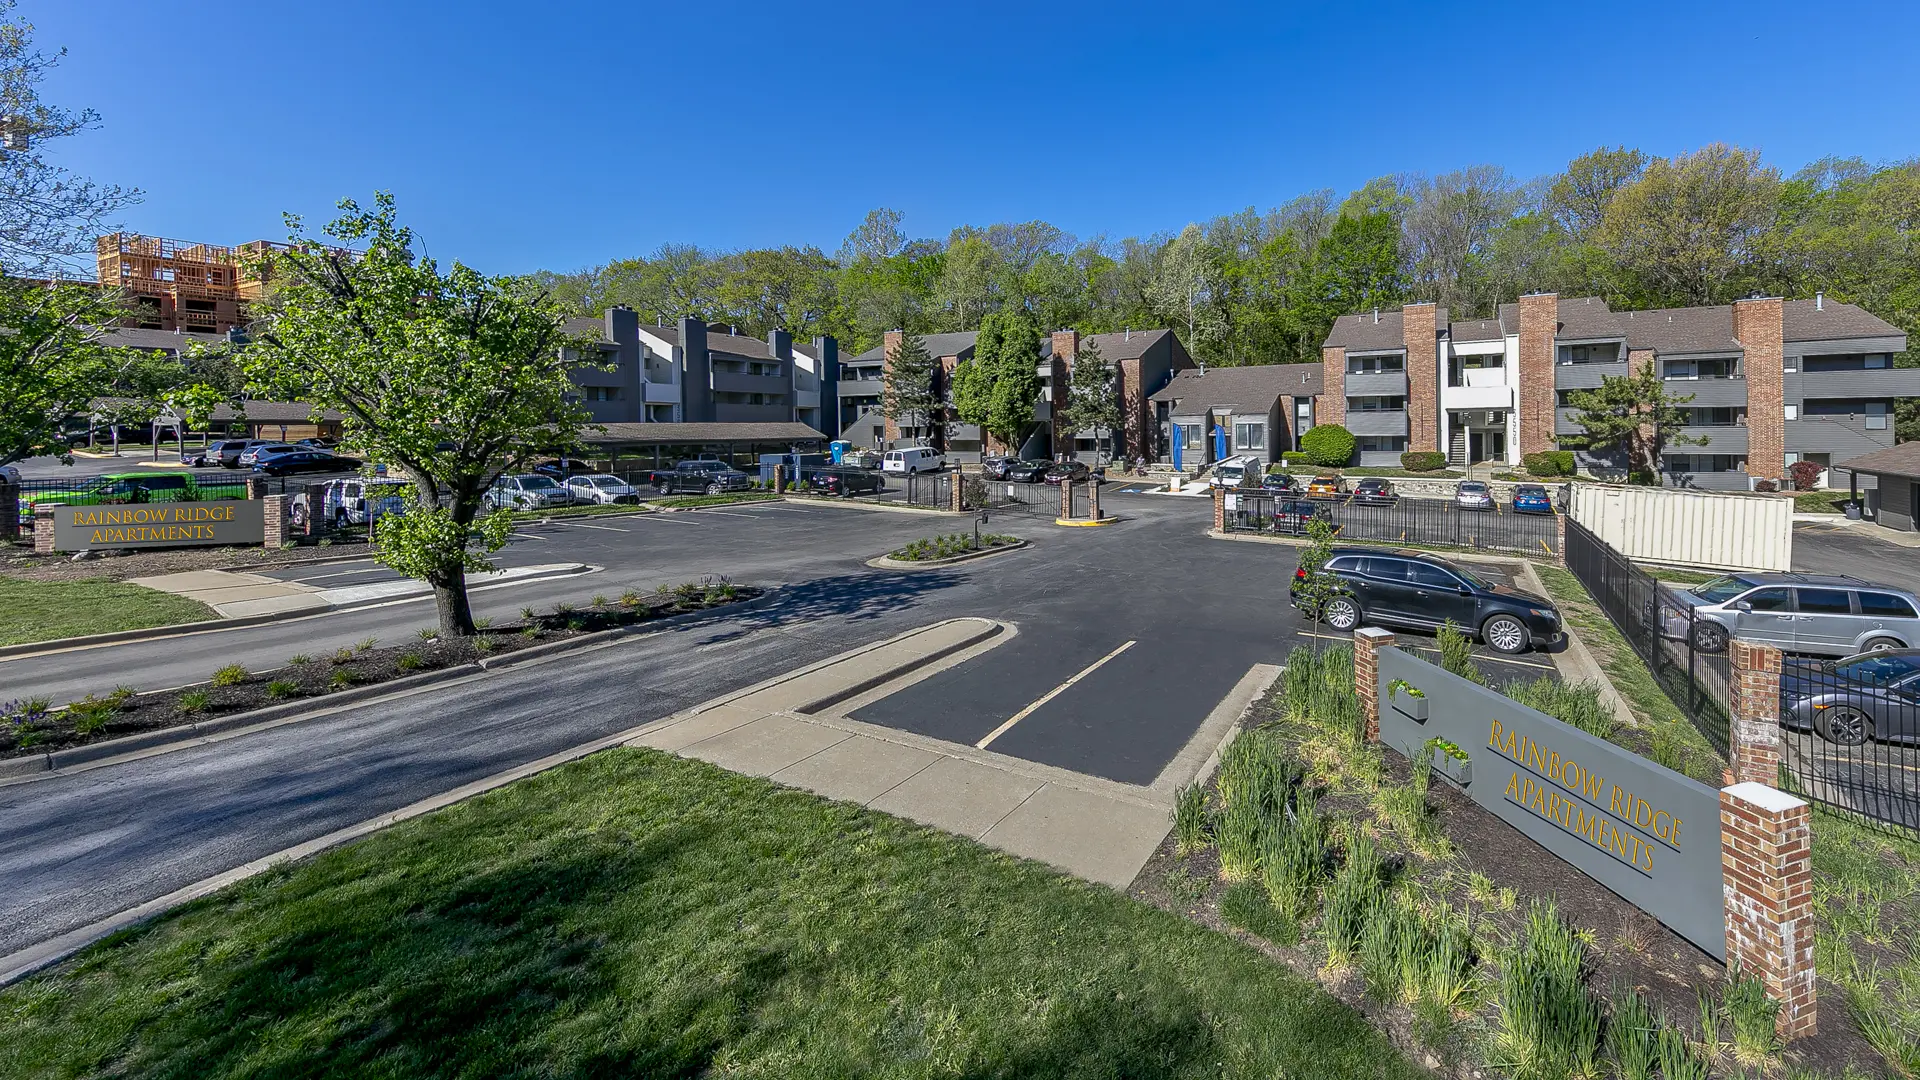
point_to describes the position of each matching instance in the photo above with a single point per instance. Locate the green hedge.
(1549, 463)
(1296, 457)
(1423, 460)
(1328, 445)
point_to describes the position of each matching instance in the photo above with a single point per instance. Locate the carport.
(632, 448)
(1894, 500)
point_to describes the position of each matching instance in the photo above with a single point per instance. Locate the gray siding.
(1872, 383)
(1378, 422)
(1721, 439)
(1711, 392)
(1846, 346)
(1843, 438)
(1585, 376)
(1896, 503)
(1384, 384)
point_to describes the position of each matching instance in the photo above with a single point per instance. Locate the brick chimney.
(1759, 326)
(1333, 386)
(1539, 324)
(1422, 340)
(1066, 346)
(889, 344)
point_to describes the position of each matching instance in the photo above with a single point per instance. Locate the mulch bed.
(22, 563)
(1630, 948)
(326, 673)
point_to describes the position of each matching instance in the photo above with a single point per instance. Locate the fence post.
(1560, 538)
(1766, 856)
(256, 487)
(43, 530)
(1219, 510)
(1753, 714)
(1093, 499)
(1066, 500)
(9, 512)
(779, 479)
(1367, 643)
(956, 499)
(273, 511)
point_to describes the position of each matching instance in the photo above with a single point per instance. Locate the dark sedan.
(839, 480)
(1027, 472)
(1379, 586)
(1373, 491)
(306, 461)
(561, 468)
(1279, 481)
(1075, 472)
(1870, 696)
(1292, 515)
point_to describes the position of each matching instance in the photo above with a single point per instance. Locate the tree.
(1578, 198)
(1092, 403)
(1328, 445)
(1016, 380)
(907, 390)
(48, 216)
(453, 376)
(1634, 416)
(1186, 291)
(1315, 585)
(1685, 231)
(52, 363)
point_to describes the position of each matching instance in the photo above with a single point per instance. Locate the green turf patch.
(635, 914)
(1820, 502)
(683, 502)
(45, 610)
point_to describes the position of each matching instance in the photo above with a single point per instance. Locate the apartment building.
(1144, 360)
(1772, 382)
(1261, 411)
(694, 373)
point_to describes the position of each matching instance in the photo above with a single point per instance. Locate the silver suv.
(1806, 613)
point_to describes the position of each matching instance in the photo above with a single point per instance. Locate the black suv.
(1421, 591)
(840, 480)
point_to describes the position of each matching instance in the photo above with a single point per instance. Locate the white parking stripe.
(1049, 696)
(582, 525)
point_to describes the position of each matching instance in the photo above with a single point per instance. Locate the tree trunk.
(450, 599)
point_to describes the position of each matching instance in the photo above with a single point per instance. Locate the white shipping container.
(1708, 529)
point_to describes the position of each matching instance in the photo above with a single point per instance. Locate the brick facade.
(1760, 328)
(1333, 386)
(890, 344)
(43, 530)
(1066, 345)
(273, 511)
(1136, 412)
(1219, 510)
(1766, 855)
(1753, 723)
(1367, 643)
(1423, 376)
(1539, 322)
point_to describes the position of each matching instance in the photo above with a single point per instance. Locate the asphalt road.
(1200, 613)
(1839, 549)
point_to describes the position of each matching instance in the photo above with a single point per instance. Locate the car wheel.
(1844, 725)
(1882, 644)
(1709, 637)
(1342, 613)
(1505, 634)
(299, 515)
(714, 489)
(660, 488)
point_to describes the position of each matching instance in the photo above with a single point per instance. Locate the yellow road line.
(1049, 696)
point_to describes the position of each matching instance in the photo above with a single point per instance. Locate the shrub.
(195, 701)
(1632, 1035)
(1328, 445)
(1296, 457)
(410, 661)
(1540, 464)
(342, 678)
(281, 689)
(1805, 475)
(483, 644)
(1423, 460)
(342, 655)
(1357, 890)
(1456, 653)
(365, 645)
(1549, 1020)
(90, 714)
(428, 633)
(1568, 465)
(1294, 857)
(1765, 485)
(1751, 1014)
(299, 659)
(231, 675)
(1578, 703)
(1190, 819)
(629, 598)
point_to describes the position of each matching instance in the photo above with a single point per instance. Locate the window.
(1825, 601)
(603, 393)
(1885, 606)
(1348, 563)
(1768, 600)
(1689, 370)
(1384, 569)
(1428, 576)
(1590, 354)
(1381, 444)
(1793, 412)
(1877, 415)
(1380, 403)
(1248, 436)
(1719, 417)
(1376, 365)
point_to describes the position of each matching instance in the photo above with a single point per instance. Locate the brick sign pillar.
(1367, 643)
(956, 492)
(1093, 500)
(273, 511)
(43, 530)
(1766, 853)
(1066, 500)
(1219, 510)
(9, 512)
(1753, 724)
(256, 487)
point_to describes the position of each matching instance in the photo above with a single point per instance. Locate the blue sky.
(557, 135)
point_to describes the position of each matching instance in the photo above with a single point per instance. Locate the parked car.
(1374, 491)
(1421, 591)
(253, 455)
(527, 491)
(140, 487)
(320, 443)
(995, 468)
(227, 452)
(1809, 613)
(1872, 696)
(1292, 515)
(703, 475)
(355, 500)
(1071, 471)
(1278, 481)
(1229, 472)
(1473, 495)
(1532, 499)
(306, 461)
(562, 468)
(910, 460)
(1326, 487)
(1028, 472)
(840, 480)
(602, 488)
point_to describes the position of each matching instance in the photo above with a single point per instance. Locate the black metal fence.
(1850, 735)
(932, 490)
(1422, 522)
(1007, 496)
(1686, 654)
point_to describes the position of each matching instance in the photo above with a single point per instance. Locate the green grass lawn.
(685, 501)
(1819, 502)
(635, 914)
(1674, 576)
(1366, 470)
(44, 610)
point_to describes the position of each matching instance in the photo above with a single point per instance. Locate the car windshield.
(538, 483)
(1877, 668)
(1721, 590)
(1530, 490)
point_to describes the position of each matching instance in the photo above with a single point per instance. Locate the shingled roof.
(1250, 389)
(1902, 461)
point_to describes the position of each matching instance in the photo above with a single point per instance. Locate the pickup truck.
(704, 476)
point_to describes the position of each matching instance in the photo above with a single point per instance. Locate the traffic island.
(946, 550)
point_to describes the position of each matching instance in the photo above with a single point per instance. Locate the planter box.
(1413, 708)
(1457, 772)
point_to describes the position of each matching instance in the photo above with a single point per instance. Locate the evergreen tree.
(1633, 414)
(1093, 402)
(907, 391)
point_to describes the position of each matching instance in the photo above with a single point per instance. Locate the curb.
(888, 562)
(880, 507)
(1085, 523)
(46, 766)
(208, 626)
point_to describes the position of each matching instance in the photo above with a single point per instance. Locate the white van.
(1230, 472)
(911, 460)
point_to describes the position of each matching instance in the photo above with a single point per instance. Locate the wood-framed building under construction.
(176, 285)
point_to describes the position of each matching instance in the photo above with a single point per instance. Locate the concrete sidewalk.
(797, 732)
(237, 595)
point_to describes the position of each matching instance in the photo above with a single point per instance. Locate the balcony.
(751, 414)
(1708, 392)
(737, 382)
(1721, 439)
(1376, 384)
(1564, 424)
(1586, 376)
(1499, 396)
(1378, 422)
(1860, 383)
(660, 393)
(1843, 435)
